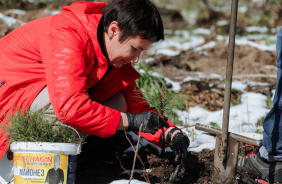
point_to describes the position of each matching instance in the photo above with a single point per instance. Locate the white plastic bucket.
(43, 162)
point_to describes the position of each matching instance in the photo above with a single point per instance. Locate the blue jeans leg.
(272, 135)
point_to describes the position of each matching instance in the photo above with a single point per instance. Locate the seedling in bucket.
(36, 127)
(42, 149)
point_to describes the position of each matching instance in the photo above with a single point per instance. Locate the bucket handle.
(80, 138)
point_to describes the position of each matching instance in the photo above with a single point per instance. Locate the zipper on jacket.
(2, 83)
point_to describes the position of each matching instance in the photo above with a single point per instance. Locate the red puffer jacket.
(62, 52)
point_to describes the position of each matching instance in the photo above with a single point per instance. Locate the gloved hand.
(151, 122)
(179, 145)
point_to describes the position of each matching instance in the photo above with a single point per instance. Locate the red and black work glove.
(179, 145)
(151, 122)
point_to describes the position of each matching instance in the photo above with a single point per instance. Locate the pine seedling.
(34, 127)
(157, 95)
(153, 90)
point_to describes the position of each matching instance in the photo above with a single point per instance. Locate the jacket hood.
(88, 14)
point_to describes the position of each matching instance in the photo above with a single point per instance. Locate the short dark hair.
(134, 17)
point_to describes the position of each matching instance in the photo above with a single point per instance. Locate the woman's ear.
(113, 30)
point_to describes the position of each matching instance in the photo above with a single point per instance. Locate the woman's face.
(122, 53)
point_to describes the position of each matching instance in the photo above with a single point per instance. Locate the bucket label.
(33, 168)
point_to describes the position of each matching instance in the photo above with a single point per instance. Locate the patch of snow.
(239, 85)
(168, 52)
(220, 37)
(243, 9)
(222, 23)
(202, 31)
(147, 60)
(243, 119)
(165, 44)
(184, 33)
(42, 1)
(55, 12)
(257, 1)
(210, 44)
(179, 44)
(52, 12)
(260, 37)
(208, 145)
(253, 83)
(252, 135)
(270, 66)
(263, 29)
(176, 86)
(275, 30)
(10, 20)
(194, 42)
(127, 181)
(16, 11)
(215, 75)
(186, 79)
(262, 47)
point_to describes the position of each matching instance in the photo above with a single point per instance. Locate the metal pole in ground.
(226, 149)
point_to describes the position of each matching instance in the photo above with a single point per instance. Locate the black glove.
(151, 122)
(179, 145)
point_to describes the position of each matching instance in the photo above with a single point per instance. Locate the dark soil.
(104, 160)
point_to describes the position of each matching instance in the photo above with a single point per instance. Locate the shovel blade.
(224, 169)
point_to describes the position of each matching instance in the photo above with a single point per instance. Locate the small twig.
(144, 168)
(134, 160)
(122, 165)
(129, 141)
(187, 126)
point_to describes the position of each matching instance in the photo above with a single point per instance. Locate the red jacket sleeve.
(66, 74)
(136, 104)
